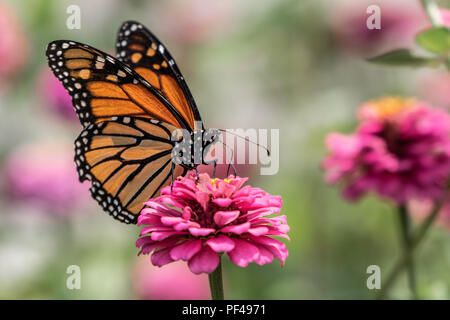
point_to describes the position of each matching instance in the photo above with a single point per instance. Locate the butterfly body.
(141, 127)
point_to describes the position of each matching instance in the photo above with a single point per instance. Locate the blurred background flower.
(206, 19)
(43, 175)
(400, 21)
(54, 97)
(400, 150)
(173, 282)
(13, 45)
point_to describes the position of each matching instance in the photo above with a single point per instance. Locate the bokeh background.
(299, 66)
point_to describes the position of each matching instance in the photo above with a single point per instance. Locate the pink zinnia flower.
(152, 283)
(401, 150)
(195, 221)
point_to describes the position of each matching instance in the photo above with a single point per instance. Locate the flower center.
(214, 181)
(386, 108)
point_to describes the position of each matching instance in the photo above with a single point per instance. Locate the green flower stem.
(433, 12)
(405, 227)
(417, 238)
(216, 283)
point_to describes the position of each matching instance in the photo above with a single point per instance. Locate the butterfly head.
(191, 148)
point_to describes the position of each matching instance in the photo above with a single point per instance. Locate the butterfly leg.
(198, 175)
(214, 170)
(172, 172)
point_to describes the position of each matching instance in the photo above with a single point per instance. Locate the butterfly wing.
(102, 87)
(128, 160)
(141, 50)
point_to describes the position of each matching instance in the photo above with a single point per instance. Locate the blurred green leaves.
(403, 57)
(435, 40)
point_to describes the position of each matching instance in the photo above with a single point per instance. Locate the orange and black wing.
(128, 160)
(102, 87)
(143, 52)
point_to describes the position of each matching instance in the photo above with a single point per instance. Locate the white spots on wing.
(161, 49)
(110, 59)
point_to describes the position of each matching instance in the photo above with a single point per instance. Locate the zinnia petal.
(237, 229)
(205, 261)
(221, 243)
(243, 253)
(222, 218)
(161, 257)
(186, 250)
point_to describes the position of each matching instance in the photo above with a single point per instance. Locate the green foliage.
(436, 40)
(404, 57)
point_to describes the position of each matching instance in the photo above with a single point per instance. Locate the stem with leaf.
(416, 239)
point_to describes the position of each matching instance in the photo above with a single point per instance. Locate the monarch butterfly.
(130, 108)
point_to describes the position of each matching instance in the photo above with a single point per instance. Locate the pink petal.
(161, 257)
(243, 253)
(161, 235)
(222, 202)
(204, 261)
(222, 218)
(199, 232)
(186, 250)
(237, 229)
(149, 220)
(276, 247)
(149, 246)
(265, 256)
(258, 231)
(185, 225)
(187, 213)
(221, 244)
(147, 230)
(203, 199)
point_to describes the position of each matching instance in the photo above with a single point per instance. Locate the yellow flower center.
(385, 108)
(214, 181)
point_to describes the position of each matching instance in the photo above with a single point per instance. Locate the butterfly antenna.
(247, 139)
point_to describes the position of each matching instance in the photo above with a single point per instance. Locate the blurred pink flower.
(400, 21)
(55, 97)
(13, 45)
(420, 209)
(195, 21)
(196, 220)
(445, 16)
(174, 282)
(400, 150)
(44, 175)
